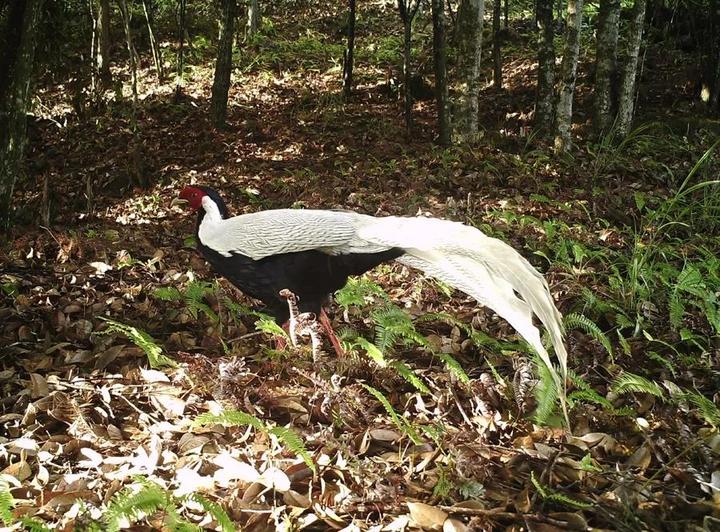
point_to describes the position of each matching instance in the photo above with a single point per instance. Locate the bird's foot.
(327, 326)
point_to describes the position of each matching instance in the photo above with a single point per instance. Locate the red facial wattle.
(193, 196)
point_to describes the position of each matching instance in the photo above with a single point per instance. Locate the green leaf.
(141, 339)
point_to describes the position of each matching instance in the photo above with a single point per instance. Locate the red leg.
(327, 326)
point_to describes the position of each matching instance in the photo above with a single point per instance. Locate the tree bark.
(135, 172)
(606, 64)
(16, 69)
(407, 10)
(100, 48)
(626, 99)
(180, 62)
(440, 62)
(568, 73)
(469, 44)
(546, 66)
(253, 18)
(223, 65)
(154, 48)
(497, 57)
(349, 55)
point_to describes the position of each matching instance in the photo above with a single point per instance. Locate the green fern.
(167, 293)
(235, 417)
(454, 367)
(551, 495)
(578, 321)
(584, 392)
(215, 510)
(358, 292)
(547, 393)
(229, 418)
(133, 505)
(630, 383)
(400, 422)
(410, 376)
(7, 502)
(268, 325)
(708, 410)
(30, 524)
(372, 351)
(141, 339)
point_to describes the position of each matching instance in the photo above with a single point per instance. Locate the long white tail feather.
(484, 268)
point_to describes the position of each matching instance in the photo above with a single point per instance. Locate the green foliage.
(7, 502)
(547, 393)
(578, 321)
(400, 422)
(630, 383)
(193, 295)
(284, 435)
(141, 339)
(551, 495)
(146, 498)
(706, 409)
(359, 292)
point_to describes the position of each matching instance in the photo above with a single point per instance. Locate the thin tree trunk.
(349, 56)
(469, 44)
(626, 99)
(441, 83)
(568, 72)
(407, 10)
(180, 63)
(606, 64)
(102, 51)
(497, 57)
(135, 172)
(253, 18)
(157, 55)
(16, 69)
(506, 14)
(546, 66)
(223, 65)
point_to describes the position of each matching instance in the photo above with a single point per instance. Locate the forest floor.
(442, 431)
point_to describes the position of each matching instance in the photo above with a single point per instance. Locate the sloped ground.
(83, 415)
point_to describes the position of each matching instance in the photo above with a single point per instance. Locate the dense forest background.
(138, 389)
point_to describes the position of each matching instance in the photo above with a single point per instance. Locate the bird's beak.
(178, 202)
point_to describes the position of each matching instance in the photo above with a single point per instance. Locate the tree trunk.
(349, 56)
(626, 99)
(506, 14)
(568, 73)
(441, 83)
(469, 44)
(546, 66)
(182, 11)
(497, 58)
(157, 55)
(606, 64)
(223, 65)
(135, 172)
(407, 10)
(102, 50)
(253, 18)
(16, 69)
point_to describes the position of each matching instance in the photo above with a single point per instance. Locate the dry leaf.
(427, 516)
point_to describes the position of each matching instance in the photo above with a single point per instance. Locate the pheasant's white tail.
(485, 268)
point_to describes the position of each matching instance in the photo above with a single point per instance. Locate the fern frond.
(372, 351)
(229, 418)
(409, 375)
(216, 511)
(400, 422)
(131, 505)
(292, 441)
(454, 367)
(547, 393)
(551, 495)
(708, 410)
(141, 339)
(630, 383)
(268, 325)
(167, 293)
(358, 292)
(7, 502)
(30, 524)
(578, 321)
